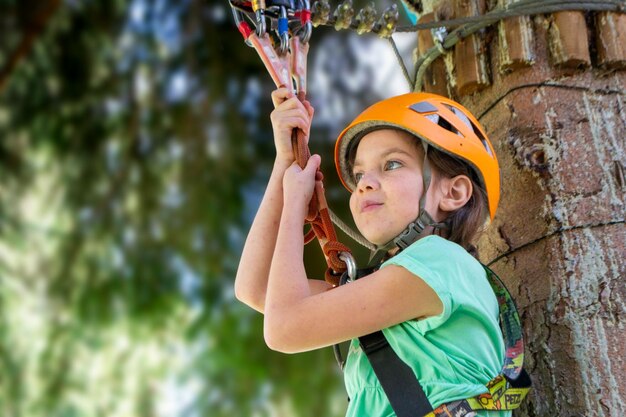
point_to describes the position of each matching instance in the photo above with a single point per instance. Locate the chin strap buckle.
(418, 230)
(410, 235)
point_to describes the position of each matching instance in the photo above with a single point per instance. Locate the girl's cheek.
(352, 204)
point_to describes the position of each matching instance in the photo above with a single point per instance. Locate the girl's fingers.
(292, 123)
(289, 113)
(290, 119)
(313, 164)
(310, 110)
(280, 95)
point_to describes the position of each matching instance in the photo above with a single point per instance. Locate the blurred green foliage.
(134, 146)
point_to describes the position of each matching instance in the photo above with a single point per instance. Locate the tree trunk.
(558, 123)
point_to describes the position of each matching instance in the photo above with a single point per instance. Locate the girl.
(424, 179)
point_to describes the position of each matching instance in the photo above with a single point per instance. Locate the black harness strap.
(403, 390)
(405, 393)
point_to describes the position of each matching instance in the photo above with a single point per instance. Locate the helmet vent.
(482, 139)
(423, 107)
(448, 126)
(471, 124)
(441, 122)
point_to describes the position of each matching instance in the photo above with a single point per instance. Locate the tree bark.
(559, 239)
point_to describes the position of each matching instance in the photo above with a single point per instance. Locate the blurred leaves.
(134, 149)
(133, 144)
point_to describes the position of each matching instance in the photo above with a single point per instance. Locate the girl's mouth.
(370, 206)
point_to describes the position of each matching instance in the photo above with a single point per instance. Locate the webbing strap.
(505, 392)
(395, 376)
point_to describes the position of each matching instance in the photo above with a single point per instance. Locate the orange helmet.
(436, 120)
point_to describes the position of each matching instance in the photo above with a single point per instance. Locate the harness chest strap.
(406, 396)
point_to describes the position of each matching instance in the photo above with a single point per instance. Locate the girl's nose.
(368, 181)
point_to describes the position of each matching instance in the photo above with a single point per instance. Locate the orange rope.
(318, 216)
(280, 69)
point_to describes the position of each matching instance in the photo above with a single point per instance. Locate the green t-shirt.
(453, 354)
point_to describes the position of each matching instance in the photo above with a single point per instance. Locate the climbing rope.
(284, 54)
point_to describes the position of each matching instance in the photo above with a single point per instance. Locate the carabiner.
(366, 19)
(243, 26)
(348, 259)
(305, 21)
(388, 21)
(259, 13)
(320, 12)
(283, 31)
(343, 15)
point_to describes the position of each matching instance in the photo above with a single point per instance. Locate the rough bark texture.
(559, 238)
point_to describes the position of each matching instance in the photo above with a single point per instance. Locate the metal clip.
(388, 21)
(305, 20)
(439, 35)
(366, 19)
(283, 31)
(343, 15)
(320, 12)
(259, 13)
(348, 259)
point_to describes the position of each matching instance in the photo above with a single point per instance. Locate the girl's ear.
(456, 192)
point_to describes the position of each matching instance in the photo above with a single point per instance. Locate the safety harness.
(404, 392)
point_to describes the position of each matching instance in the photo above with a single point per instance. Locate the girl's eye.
(357, 176)
(391, 165)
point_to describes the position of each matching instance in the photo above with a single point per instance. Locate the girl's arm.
(254, 265)
(297, 319)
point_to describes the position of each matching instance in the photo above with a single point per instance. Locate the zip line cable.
(469, 25)
(511, 10)
(394, 47)
(559, 231)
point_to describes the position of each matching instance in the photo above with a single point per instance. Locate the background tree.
(135, 145)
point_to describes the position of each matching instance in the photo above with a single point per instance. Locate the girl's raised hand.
(289, 113)
(299, 184)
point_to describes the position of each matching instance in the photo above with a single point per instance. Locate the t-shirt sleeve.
(414, 259)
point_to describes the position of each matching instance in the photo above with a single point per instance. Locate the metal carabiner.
(388, 21)
(348, 259)
(320, 13)
(305, 19)
(366, 19)
(283, 31)
(242, 25)
(261, 25)
(343, 15)
(259, 13)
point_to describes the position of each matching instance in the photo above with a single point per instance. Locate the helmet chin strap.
(424, 225)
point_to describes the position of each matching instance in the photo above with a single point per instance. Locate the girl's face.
(388, 175)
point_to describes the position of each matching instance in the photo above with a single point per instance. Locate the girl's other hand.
(289, 113)
(299, 184)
